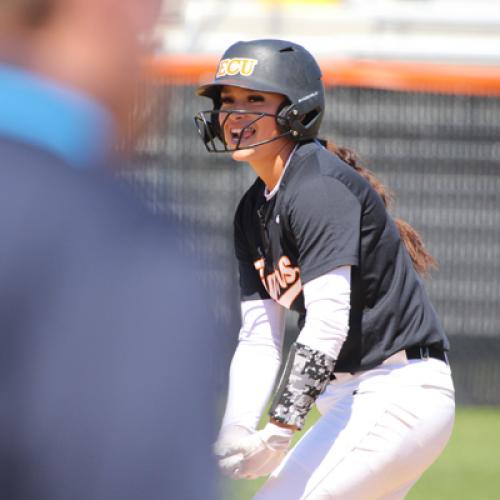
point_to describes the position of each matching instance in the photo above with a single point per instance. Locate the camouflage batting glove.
(257, 454)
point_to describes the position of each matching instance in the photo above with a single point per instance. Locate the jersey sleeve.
(251, 287)
(324, 217)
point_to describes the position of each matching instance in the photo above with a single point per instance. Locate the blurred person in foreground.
(105, 380)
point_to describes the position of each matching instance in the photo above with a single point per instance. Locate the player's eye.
(226, 100)
(256, 98)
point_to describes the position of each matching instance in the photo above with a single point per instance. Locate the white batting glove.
(257, 454)
(228, 436)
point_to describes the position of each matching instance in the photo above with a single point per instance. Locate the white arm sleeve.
(327, 302)
(255, 363)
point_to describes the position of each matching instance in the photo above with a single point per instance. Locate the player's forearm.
(307, 372)
(255, 363)
(311, 360)
(251, 381)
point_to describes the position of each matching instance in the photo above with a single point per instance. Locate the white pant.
(379, 431)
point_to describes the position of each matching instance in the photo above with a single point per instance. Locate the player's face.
(245, 128)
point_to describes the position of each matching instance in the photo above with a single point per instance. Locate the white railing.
(456, 31)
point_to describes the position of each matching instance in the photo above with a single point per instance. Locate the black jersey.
(326, 215)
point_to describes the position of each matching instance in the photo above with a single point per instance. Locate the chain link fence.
(438, 153)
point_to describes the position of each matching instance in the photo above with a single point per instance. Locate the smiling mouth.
(243, 133)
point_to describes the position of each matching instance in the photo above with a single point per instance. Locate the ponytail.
(422, 260)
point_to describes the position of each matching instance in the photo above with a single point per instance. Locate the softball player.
(313, 235)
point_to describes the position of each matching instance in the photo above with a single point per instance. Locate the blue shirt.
(44, 113)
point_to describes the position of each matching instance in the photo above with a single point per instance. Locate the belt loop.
(424, 352)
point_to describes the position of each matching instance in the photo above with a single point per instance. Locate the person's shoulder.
(311, 162)
(309, 167)
(320, 183)
(36, 170)
(20, 159)
(58, 201)
(318, 169)
(33, 178)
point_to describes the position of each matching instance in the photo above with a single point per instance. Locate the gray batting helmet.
(275, 66)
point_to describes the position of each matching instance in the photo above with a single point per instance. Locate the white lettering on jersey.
(283, 284)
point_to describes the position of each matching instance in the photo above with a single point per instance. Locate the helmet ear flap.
(289, 120)
(298, 119)
(283, 116)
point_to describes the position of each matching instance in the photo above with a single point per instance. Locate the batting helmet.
(275, 66)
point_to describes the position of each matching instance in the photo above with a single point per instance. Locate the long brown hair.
(422, 260)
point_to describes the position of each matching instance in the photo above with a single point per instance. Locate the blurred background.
(413, 86)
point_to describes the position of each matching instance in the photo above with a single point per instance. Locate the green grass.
(468, 469)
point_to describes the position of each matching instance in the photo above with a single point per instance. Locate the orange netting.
(389, 75)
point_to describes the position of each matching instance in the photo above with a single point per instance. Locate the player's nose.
(239, 116)
(237, 119)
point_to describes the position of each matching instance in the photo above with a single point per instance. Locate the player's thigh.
(406, 439)
(320, 450)
(366, 447)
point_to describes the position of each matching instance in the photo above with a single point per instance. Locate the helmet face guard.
(210, 125)
(275, 66)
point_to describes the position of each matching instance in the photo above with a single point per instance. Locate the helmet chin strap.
(210, 131)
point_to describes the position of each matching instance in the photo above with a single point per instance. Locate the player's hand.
(228, 436)
(255, 455)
